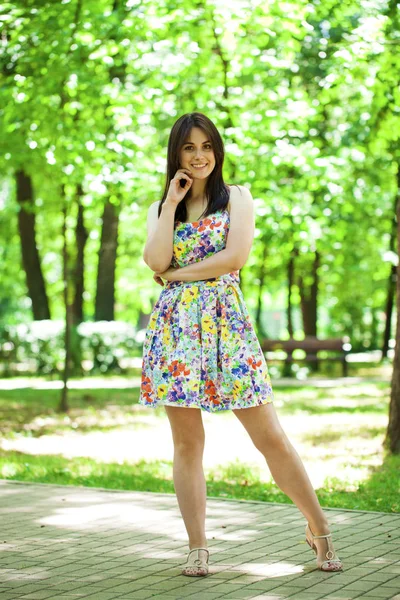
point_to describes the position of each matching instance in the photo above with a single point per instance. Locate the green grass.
(381, 492)
(33, 412)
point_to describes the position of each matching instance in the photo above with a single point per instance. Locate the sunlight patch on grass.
(380, 491)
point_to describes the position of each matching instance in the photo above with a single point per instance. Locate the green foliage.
(39, 345)
(305, 95)
(106, 343)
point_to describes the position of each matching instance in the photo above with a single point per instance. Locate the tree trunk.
(392, 439)
(391, 285)
(30, 253)
(143, 319)
(287, 367)
(105, 292)
(68, 313)
(391, 289)
(289, 312)
(81, 236)
(105, 288)
(308, 300)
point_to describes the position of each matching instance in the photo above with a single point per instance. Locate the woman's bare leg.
(287, 469)
(189, 481)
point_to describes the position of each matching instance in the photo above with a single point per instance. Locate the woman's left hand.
(168, 274)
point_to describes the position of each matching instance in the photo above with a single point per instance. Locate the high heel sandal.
(196, 566)
(332, 562)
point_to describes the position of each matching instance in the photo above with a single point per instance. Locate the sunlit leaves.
(305, 95)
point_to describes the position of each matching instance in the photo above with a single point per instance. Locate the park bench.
(312, 346)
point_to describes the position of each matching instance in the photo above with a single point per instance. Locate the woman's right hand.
(176, 193)
(158, 279)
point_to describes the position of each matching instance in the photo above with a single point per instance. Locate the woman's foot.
(197, 563)
(327, 559)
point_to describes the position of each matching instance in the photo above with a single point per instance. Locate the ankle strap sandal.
(197, 563)
(332, 562)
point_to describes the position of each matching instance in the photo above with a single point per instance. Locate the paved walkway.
(62, 542)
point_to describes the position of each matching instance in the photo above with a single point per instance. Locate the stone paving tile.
(340, 596)
(384, 591)
(302, 596)
(378, 593)
(68, 542)
(102, 595)
(39, 595)
(140, 595)
(270, 597)
(264, 596)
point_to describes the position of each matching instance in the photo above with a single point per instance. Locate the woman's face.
(197, 150)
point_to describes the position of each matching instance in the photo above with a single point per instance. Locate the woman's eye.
(207, 147)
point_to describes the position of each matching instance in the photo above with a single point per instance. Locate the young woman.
(200, 350)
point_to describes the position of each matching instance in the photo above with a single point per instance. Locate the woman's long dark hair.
(217, 192)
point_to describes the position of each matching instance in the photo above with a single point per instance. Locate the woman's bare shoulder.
(235, 191)
(232, 190)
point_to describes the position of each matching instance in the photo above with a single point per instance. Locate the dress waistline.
(228, 278)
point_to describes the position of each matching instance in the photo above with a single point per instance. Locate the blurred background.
(306, 97)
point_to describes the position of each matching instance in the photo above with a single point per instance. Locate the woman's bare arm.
(158, 250)
(218, 264)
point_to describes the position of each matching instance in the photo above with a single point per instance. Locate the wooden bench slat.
(311, 345)
(306, 344)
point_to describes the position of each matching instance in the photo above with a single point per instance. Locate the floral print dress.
(200, 349)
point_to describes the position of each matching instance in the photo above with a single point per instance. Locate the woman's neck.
(198, 191)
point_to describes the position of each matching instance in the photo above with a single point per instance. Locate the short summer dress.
(200, 349)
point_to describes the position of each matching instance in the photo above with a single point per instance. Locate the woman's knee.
(189, 448)
(264, 428)
(187, 430)
(274, 443)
